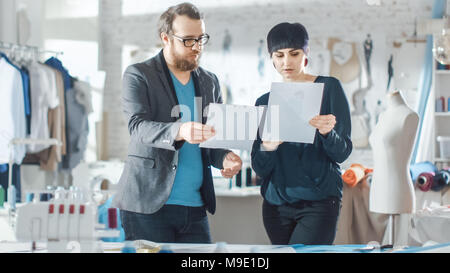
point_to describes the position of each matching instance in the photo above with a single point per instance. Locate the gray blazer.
(148, 100)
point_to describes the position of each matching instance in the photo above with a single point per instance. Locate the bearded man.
(166, 186)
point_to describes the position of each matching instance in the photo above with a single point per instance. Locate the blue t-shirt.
(189, 176)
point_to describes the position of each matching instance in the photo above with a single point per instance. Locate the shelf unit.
(442, 114)
(441, 80)
(444, 72)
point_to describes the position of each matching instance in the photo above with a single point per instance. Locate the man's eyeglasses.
(190, 42)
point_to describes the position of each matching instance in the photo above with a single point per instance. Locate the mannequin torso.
(392, 143)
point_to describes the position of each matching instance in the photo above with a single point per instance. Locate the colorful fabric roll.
(353, 175)
(425, 181)
(417, 169)
(440, 180)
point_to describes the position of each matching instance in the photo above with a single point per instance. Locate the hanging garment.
(67, 79)
(77, 130)
(83, 95)
(49, 158)
(12, 112)
(56, 63)
(26, 94)
(56, 122)
(44, 96)
(25, 87)
(356, 223)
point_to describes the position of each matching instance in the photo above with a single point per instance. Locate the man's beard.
(184, 64)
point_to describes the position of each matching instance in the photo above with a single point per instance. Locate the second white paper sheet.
(291, 106)
(236, 126)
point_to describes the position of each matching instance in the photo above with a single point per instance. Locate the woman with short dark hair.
(302, 183)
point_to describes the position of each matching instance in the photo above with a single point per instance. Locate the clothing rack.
(27, 48)
(23, 141)
(34, 49)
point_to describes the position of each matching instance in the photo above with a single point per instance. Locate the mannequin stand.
(391, 226)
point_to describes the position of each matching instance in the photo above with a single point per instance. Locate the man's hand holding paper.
(195, 132)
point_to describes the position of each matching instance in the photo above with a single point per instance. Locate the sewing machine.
(66, 224)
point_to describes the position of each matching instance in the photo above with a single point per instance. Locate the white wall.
(8, 21)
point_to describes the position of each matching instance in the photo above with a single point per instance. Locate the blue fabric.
(299, 248)
(426, 75)
(26, 96)
(189, 176)
(56, 63)
(346, 249)
(299, 171)
(103, 219)
(413, 249)
(3, 168)
(26, 89)
(421, 167)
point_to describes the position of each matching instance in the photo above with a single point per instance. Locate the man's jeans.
(170, 224)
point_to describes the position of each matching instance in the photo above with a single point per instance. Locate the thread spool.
(440, 180)
(112, 218)
(425, 181)
(353, 175)
(422, 167)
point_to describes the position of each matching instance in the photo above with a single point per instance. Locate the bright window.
(70, 8)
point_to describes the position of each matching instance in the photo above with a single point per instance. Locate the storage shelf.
(440, 159)
(443, 72)
(441, 88)
(442, 114)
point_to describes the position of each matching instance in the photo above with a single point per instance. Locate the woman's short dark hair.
(287, 35)
(166, 19)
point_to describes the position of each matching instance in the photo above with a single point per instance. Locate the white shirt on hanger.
(12, 113)
(43, 95)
